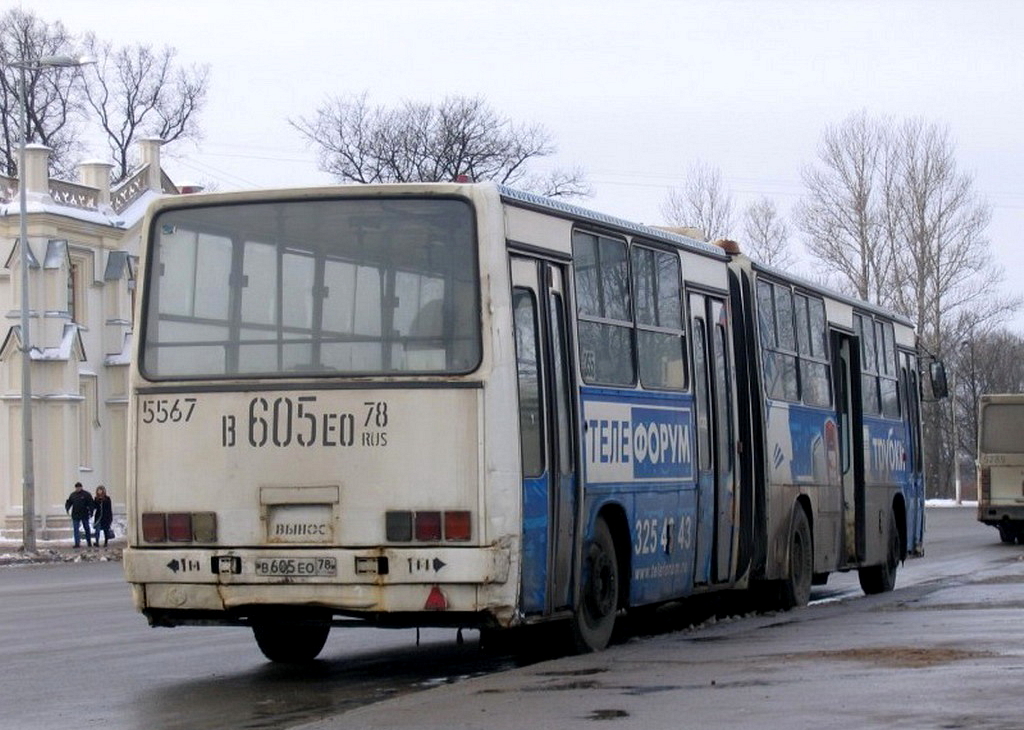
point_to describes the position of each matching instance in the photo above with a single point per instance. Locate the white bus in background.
(461, 405)
(1001, 464)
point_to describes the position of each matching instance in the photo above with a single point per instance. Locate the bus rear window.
(312, 287)
(1001, 428)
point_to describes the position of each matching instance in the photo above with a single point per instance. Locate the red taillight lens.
(428, 526)
(154, 527)
(435, 600)
(457, 526)
(179, 526)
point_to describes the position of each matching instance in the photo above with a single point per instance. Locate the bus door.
(849, 416)
(546, 435)
(716, 467)
(911, 405)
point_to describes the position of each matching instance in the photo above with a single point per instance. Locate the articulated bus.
(460, 405)
(1001, 464)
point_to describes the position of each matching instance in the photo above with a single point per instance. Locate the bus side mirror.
(937, 375)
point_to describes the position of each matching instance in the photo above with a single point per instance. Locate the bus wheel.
(594, 618)
(882, 578)
(290, 643)
(796, 588)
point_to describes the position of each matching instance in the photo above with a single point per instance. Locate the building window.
(76, 292)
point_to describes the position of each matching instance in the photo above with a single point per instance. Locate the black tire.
(1007, 534)
(882, 578)
(594, 619)
(796, 587)
(291, 643)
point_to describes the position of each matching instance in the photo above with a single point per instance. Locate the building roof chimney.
(36, 176)
(96, 174)
(149, 150)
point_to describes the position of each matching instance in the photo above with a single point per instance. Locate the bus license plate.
(297, 567)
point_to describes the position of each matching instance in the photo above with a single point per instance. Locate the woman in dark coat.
(103, 514)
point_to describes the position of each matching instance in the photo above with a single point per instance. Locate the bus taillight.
(985, 484)
(179, 527)
(154, 527)
(428, 526)
(457, 526)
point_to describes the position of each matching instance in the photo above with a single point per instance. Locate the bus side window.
(603, 306)
(658, 296)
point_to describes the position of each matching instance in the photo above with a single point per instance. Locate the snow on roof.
(72, 339)
(105, 216)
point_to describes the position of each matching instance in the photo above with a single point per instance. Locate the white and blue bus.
(461, 405)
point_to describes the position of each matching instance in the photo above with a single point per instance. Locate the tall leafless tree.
(890, 214)
(132, 92)
(54, 97)
(766, 235)
(139, 92)
(842, 215)
(986, 362)
(944, 271)
(430, 142)
(700, 203)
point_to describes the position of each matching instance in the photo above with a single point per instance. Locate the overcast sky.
(634, 91)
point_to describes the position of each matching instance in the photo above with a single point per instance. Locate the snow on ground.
(950, 503)
(11, 552)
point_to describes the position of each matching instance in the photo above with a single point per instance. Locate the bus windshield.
(312, 287)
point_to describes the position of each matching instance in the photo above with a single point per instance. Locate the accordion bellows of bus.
(463, 405)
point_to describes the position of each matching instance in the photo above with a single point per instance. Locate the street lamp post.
(28, 478)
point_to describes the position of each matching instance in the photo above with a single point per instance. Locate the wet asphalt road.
(75, 654)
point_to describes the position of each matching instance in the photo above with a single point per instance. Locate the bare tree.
(766, 234)
(701, 203)
(425, 142)
(888, 211)
(54, 96)
(842, 214)
(944, 271)
(989, 362)
(138, 93)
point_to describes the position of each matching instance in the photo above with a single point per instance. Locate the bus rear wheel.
(882, 578)
(796, 588)
(290, 642)
(594, 619)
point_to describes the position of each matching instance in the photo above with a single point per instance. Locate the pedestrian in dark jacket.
(103, 515)
(79, 505)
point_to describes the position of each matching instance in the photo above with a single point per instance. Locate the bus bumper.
(391, 580)
(997, 514)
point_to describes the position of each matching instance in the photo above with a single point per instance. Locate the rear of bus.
(1001, 464)
(308, 392)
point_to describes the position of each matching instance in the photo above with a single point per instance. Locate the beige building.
(84, 243)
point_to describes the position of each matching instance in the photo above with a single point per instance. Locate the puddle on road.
(574, 672)
(607, 715)
(906, 657)
(997, 580)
